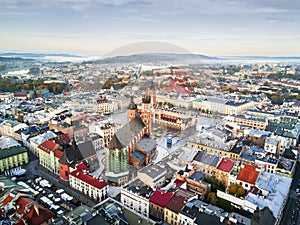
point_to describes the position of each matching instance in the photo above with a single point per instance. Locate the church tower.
(132, 110)
(146, 113)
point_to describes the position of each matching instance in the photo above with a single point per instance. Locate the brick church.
(132, 143)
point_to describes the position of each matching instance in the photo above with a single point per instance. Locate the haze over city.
(210, 27)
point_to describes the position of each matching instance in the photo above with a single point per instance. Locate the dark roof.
(176, 203)
(207, 158)
(203, 219)
(128, 132)
(115, 143)
(138, 156)
(265, 217)
(87, 149)
(31, 130)
(71, 155)
(197, 176)
(8, 152)
(140, 188)
(190, 210)
(147, 144)
(132, 105)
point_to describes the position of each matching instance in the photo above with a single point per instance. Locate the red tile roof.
(22, 202)
(161, 198)
(248, 174)
(81, 166)
(179, 183)
(226, 165)
(36, 214)
(88, 179)
(7, 200)
(176, 203)
(62, 139)
(48, 146)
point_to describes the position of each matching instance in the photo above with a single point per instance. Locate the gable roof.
(176, 203)
(225, 165)
(48, 146)
(127, 133)
(161, 198)
(248, 174)
(114, 143)
(87, 149)
(79, 174)
(71, 155)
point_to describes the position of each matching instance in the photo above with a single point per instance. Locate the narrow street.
(293, 203)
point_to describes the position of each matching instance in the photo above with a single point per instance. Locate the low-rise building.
(174, 118)
(196, 184)
(10, 128)
(250, 121)
(173, 208)
(220, 148)
(12, 157)
(158, 201)
(136, 196)
(80, 180)
(206, 163)
(153, 175)
(22, 209)
(103, 105)
(188, 215)
(223, 170)
(37, 140)
(49, 155)
(247, 176)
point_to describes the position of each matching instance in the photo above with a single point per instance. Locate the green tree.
(277, 99)
(212, 198)
(236, 189)
(215, 184)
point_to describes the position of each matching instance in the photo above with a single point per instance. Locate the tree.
(212, 198)
(215, 184)
(277, 99)
(236, 189)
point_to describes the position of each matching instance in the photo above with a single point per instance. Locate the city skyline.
(96, 27)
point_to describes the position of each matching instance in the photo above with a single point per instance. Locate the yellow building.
(12, 157)
(49, 154)
(173, 208)
(230, 150)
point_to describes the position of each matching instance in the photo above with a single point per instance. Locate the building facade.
(80, 180)
(12, 157)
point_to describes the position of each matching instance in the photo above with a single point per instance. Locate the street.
(33, 168)
(293, 203)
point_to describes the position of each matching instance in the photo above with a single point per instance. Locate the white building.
(80, 180)
(37, 140)
(153, 176)
(136, 196)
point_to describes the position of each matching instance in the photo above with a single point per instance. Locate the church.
(132, 143)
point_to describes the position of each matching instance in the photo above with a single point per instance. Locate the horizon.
(107, 56)
(210, 27)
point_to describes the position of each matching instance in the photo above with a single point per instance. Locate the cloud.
(278, 20)
(14, 14)
(75, 4)
(55, 35)
(136, 18)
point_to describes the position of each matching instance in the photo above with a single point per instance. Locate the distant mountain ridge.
(34, 55)
(156, 58)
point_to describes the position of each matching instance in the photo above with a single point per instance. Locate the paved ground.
(293, 203)
(33, 168)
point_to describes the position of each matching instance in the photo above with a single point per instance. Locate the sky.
(97, 27)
